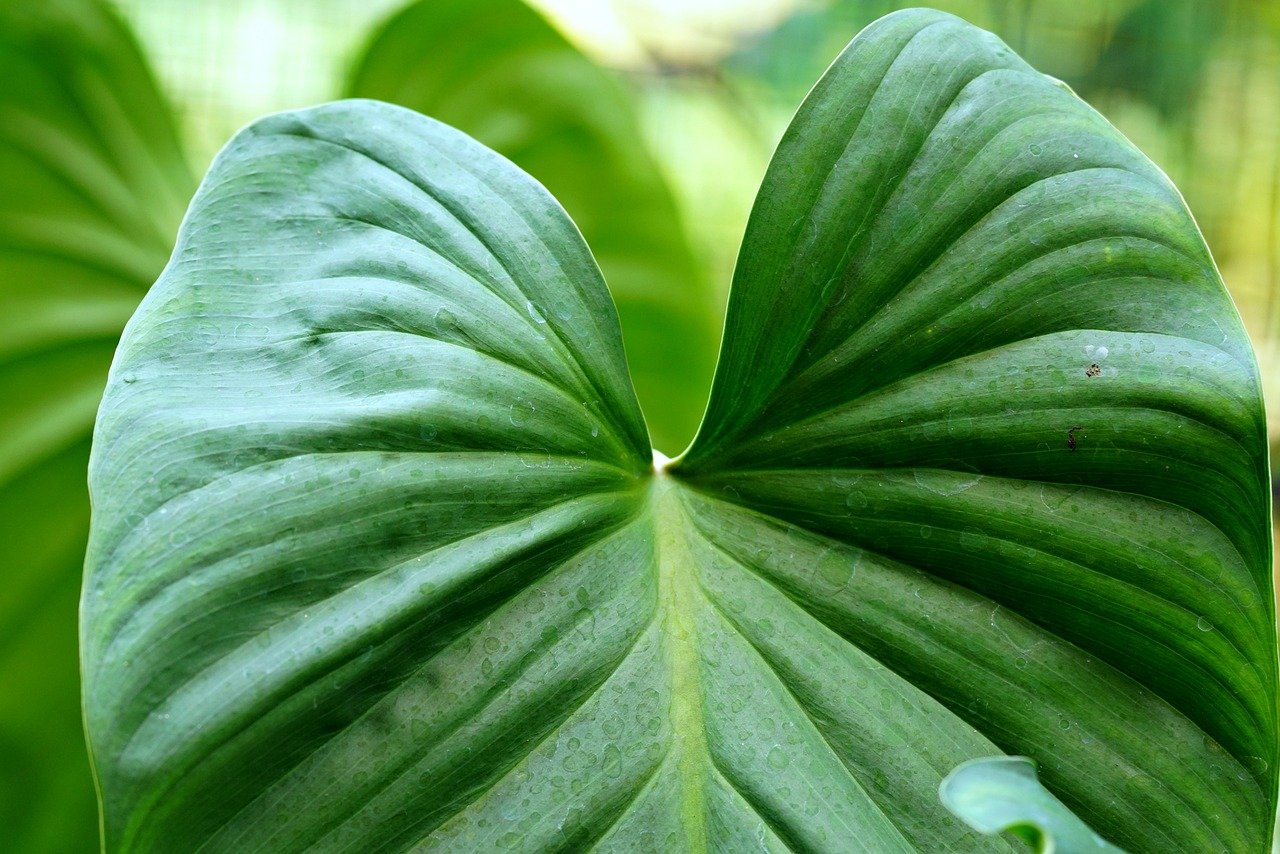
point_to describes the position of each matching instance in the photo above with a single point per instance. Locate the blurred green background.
(651, 120)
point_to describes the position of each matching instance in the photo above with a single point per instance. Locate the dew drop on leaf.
(855, 501)
(835, 569)
(446, 321)
(612, 760)
(778, 757)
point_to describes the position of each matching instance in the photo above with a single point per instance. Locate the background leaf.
(1002, 794)
(1136, 57)
(91, 188)
(499, 72)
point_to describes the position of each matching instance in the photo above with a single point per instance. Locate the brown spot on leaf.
(1093, 370)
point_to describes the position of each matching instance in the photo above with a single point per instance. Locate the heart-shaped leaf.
(378, 559)
(497, 70)
(92, 186)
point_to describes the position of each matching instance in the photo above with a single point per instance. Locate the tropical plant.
(380, 556)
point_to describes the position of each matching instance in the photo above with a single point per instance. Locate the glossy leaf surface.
(92, 186)
(378, 557)
(496, 70)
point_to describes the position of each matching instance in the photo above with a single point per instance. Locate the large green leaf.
(378, 559)
(91, 191)
(497, 70)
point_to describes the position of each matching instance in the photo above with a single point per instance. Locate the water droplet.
(835, 569)
(612, 760)
(445, 320)
(1034, 149)
(519, 414)
(1055, 498)
(128, 378)
(934, 430)
(855, 501)
(252, 331)
(946, 483)
(1203, 624)
(537, 315)
(1255, 764)
(778, 757)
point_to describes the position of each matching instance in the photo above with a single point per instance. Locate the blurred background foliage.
(651, 120)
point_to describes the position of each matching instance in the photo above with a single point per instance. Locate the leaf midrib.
(677, 587)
